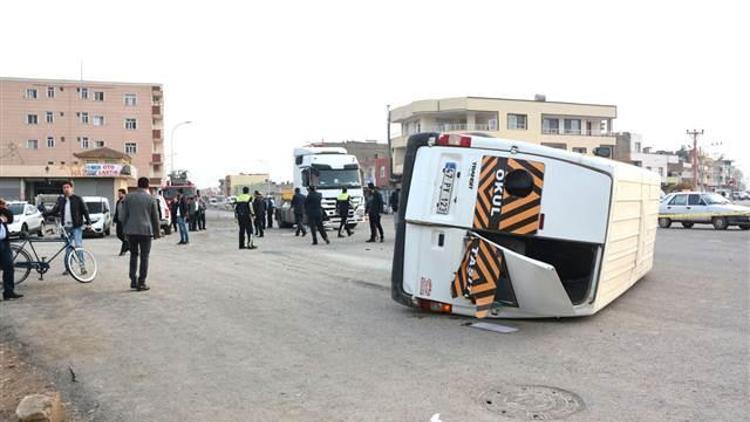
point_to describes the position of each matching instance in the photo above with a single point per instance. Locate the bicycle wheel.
(81, 265)
(21, 263)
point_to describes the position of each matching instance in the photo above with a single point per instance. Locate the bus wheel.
(720, 223)
(664, 223)
(687, 224)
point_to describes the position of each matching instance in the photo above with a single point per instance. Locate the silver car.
(689, 208)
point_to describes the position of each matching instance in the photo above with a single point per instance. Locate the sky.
(260, 78)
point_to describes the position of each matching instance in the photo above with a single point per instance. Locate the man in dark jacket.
(180, 214)
(259, 206)
(71, 209)
(6, 257)
(298, 206)
(314, 211)
(393, 200)
(270, 207)
(140, 221)
(118, 228)
(343, 205)
(374, 207)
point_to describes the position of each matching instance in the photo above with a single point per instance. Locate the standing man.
(243, 211)
(202, 205)
(374, 207)
(314, 212)
(298, 206)
(259, 206)
(193, 214)
(118, 228)
(140, 220)
(73, 211)
(6, 257)
(343, 205)
(180, 213)
(270, 207)
(393, 200)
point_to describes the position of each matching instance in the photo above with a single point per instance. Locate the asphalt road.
(295, 332)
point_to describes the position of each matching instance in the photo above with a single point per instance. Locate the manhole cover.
(531, 402)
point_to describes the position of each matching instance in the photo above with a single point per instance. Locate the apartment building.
(47, 125)
(571, 126)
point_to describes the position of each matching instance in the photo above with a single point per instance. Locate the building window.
(550, 126)
(32, 144)
(50, 117)
(31, 93)
(130, 124)
(50, 92)
(98, 95)
(84, 142)
(32, 119)
(84, 93)
(98, 120)
(131, 148)
(99, 144)
(50, 142)
(572, 126)
(517, 121)
(130, 99)
(84, 118)
(580, 150)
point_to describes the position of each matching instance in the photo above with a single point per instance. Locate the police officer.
(298, 206)
(243, 211)
(314, 211)
(343, 205)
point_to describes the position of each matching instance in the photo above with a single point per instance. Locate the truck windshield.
(170, 192)
(348, 178)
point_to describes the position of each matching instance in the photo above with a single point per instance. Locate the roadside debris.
(503, 329)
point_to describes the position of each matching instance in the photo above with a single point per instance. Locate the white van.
(100, 215)
(502, 228)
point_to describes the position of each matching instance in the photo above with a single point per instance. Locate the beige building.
(234, 183)
(571, 126)
(48, 123)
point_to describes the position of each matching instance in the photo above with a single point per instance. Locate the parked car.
(165, 216)
(689, 208)
(26, 219)
(100, 214)
(740, 196)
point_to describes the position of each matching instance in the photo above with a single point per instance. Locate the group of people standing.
(253, 212)
(309, 206)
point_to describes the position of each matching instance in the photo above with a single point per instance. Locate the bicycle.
(79, 263)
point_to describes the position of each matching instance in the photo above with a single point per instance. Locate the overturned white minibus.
(500, 228)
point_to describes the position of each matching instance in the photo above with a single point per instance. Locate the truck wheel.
(687, 224)
(664, 222)
(24, 231)
(744, 226)
(720, 223)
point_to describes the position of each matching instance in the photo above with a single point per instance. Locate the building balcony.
(156, 159)
(156, 134)
(574, 132)
(156, 110)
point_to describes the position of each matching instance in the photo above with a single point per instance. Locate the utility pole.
(388, 137)
(694, 133)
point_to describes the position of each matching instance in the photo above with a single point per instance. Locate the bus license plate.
(446, 188)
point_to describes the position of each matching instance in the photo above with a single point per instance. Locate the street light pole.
(171, 143)
(694, 133)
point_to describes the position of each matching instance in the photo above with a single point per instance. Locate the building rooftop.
(75, 81)
(105, 153)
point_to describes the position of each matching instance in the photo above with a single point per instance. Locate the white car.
(165, 216)
(26, 219)
(689, 208)
(100, 215)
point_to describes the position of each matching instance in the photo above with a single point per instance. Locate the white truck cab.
(501, 228)
(329, 169)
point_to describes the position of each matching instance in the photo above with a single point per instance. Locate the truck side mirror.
(305, 177)
(605, 152)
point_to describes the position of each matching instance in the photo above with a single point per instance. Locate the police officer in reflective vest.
(243, 211)
(343, 205)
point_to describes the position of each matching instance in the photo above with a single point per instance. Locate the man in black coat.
(180, 212)
(259, 206)
(314, 211)
(6, 256)
(71, 209)
(395, 195)
(298, 206)
(374, 207)
(270, 207)
(118, 228)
